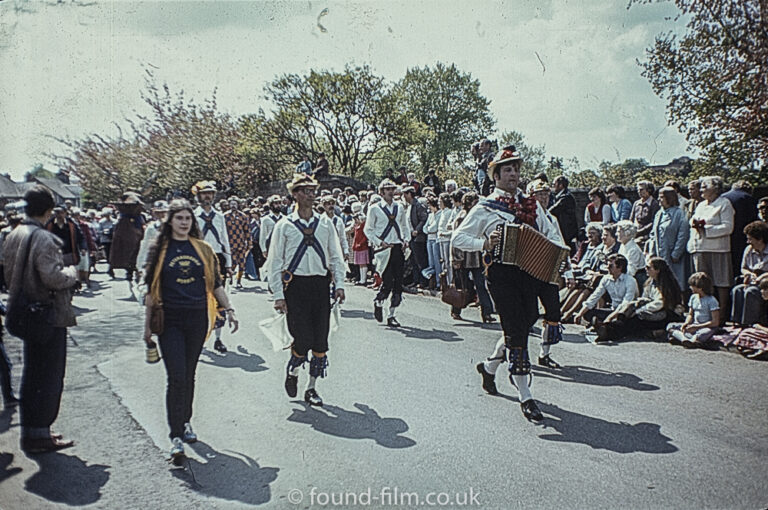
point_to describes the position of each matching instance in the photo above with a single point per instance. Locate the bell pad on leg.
(554, 333)
(519, 363)
(295, 362)
(317, 366)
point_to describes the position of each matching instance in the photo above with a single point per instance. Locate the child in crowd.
(703, 315)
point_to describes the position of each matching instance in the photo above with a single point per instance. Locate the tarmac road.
(631, 425)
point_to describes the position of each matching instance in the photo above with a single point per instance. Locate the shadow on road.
(67, 479)
(235, 477)
(367, 424)
(356, 314)
(241, 359)
(428, 334)
(570, 427)
(595, 377)
(6, 459)
(6, 417)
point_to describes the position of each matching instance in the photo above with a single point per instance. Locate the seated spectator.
(574, 298)
(617, 285)
(748, 306)
(762, 209)
(644, 210)
(703, 315)
(598, 209)
(753, 342)
(710, 241)
(621, 208)
(626, 231)
(660, 304)
(669, 235)
(587, 254)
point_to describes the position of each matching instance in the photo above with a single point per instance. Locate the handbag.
(32, 321)
(156, 319)
(458, 298)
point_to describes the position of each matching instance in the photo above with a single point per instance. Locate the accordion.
(525, 247)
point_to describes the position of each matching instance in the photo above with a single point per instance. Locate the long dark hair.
(667, 283)
(176, 206)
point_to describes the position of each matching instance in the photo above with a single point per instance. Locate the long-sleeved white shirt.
(150, 234)
(481, 222)
(634, 255)
(338, 223)
(268, 223)
(444, 225)
(220, 245)
(622, 290)
(286, 240)
(377, 221)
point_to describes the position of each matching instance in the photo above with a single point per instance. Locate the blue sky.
(563, 73)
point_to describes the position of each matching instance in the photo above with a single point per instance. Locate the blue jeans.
(433, 256)
(181, 343)
(250, 267)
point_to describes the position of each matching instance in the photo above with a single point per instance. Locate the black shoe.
(312, 398)
(378, 313)
(392, 323)
(489, 380)
(291, 383)
(11, 402)
(531, 410)
(488, 319)
(219, 346)
(546, 361)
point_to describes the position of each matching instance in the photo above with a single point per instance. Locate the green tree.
(448, 103)
(349, 115)
(715, 79)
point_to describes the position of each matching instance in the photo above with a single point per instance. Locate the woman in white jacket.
(444, 230)
(710, 241)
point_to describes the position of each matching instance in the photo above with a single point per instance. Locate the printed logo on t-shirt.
(182, 264)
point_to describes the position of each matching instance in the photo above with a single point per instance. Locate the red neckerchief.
(524, 210)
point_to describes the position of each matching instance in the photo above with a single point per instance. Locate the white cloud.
(76, 70)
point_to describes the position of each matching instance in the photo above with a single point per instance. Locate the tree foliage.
(715, 79)
(448, 103)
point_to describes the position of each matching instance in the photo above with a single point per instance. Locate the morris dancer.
(385, 227)
(214, 229)
(305, 255)
(549, 293)
(513, 290)
(268, 223)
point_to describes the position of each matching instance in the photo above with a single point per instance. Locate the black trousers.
(392, 278)
(418, 261)
(42, 381)
(549, 294)
(515, 294)
(308, 300)
(181, 343)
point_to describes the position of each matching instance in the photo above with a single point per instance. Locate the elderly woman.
(710, 241)
(669, 235)
(644, 210)
(626, 232)
(748, 305)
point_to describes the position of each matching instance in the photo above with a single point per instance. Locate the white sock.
(294, 371)
(521, 381)
(498, 356)
(311, 385)
(363, 274)
(545, 350)
(218, 333)
(391, 312)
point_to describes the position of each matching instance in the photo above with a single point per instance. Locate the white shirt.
(150, 234)
(286, 240)
(634, 255)
(443, 232)
(377, 222)
(622, 290)
(222, 245)
(431, 226)
(338, 223)
(267, 226)
(481, 222)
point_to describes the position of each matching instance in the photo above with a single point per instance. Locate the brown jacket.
(45, 278)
